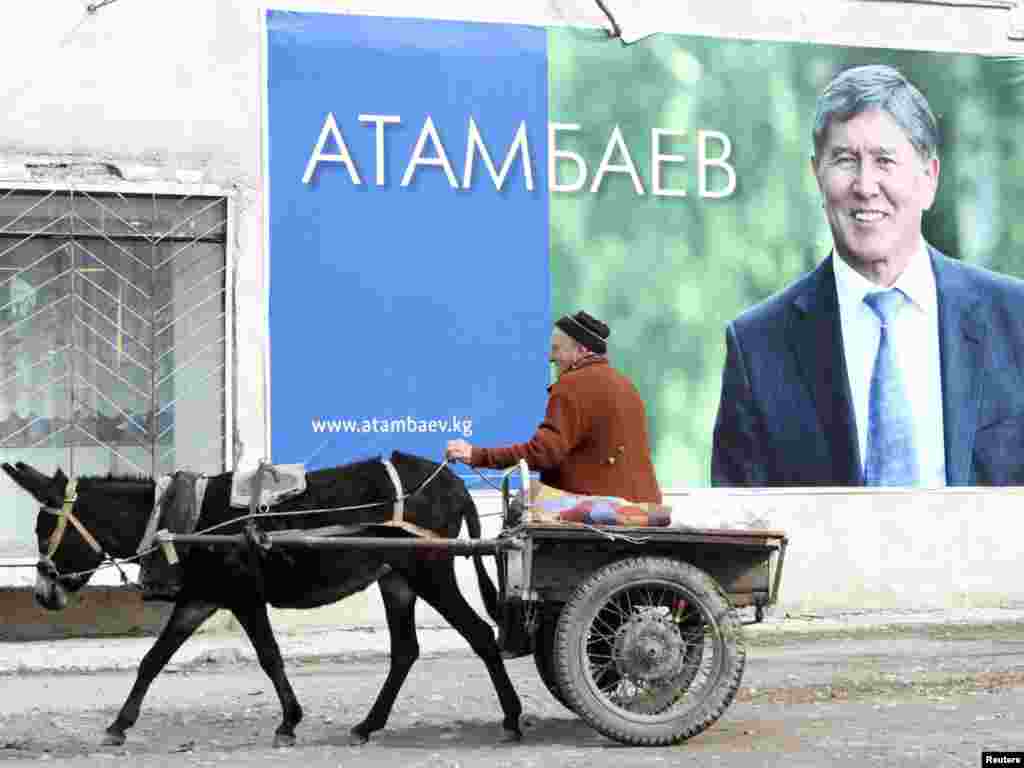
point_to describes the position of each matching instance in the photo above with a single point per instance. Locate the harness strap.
(64, 516)
(62, 521)
(398, 513)
(201, 482)
(162, 485)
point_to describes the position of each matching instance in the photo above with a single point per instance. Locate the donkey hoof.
(284, 740)
(356, 738)
(112, 739)
(511, 736)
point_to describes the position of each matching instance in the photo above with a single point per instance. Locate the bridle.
(65, 516)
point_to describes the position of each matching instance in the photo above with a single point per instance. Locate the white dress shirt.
(915, 336)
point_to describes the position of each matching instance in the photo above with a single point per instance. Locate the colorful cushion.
(551, 505)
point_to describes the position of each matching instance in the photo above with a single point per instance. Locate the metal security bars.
(113, 331)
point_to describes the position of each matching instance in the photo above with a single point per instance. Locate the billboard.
(409, 298)
(440, 191)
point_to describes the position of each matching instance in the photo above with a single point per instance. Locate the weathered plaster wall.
(156, 93)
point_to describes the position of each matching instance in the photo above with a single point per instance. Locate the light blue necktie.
(891, 451)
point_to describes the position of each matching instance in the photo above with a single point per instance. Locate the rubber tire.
(544, 654)
(724, 633)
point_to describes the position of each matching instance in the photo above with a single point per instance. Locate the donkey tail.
(487, 589)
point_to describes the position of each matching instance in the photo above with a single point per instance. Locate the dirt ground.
(935, 695)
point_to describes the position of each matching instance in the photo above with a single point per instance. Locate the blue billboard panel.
(408, 234)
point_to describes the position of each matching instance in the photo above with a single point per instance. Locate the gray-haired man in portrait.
(890, 363)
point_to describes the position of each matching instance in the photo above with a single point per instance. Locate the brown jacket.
(593, 439)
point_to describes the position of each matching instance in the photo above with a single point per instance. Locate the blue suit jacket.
(785, 417)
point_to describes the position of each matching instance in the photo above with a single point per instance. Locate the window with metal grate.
(113, 331)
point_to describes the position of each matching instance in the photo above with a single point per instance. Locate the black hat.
(587, 330)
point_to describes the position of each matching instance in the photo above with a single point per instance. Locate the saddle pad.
(291, 481)
(551, 505)
(182, 513)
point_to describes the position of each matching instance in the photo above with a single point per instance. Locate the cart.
(634, 629)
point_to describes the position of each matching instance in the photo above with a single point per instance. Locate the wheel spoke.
(650, 597)
(608, 627)
(600, 644)
(664, 600)
(607, 632)
(655, 650)
(617, 690)
(597, 670)
(600, 651)
(616, 610)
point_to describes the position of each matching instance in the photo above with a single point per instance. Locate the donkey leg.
(256, 622)
(435, 582)
(399, 605)
(185, 619)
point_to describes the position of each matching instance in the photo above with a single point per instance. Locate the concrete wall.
(94, 612)
(169, 94)
(852, 550)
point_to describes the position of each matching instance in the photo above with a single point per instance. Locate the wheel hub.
(649, 648)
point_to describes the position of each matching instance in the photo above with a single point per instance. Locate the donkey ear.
(56, 486)
(44, 489)
(26, 481)
(11, 472)
(33, 474)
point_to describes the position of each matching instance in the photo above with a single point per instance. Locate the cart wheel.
(544, 654)
(649, 651)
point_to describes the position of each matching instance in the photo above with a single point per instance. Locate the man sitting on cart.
(593, 439)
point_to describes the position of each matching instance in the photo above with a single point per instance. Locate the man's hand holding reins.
(459, 450)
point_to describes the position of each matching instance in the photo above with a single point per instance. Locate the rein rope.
(64, 515)
(487, 480)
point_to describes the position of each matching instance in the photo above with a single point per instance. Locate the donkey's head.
(77, 526)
